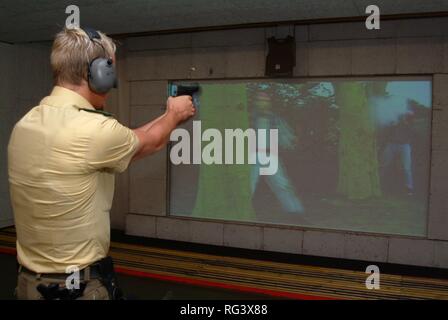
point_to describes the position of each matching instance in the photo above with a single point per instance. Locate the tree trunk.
(224, 190)
(358, 160)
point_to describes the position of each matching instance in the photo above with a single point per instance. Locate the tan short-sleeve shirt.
(61, 163)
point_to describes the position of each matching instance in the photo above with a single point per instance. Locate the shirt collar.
(65, 97)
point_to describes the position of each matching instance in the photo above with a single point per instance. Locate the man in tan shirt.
(62, 157)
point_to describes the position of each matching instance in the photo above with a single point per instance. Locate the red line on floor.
(206, 283)
(10, 251)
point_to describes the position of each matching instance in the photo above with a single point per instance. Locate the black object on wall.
(281, 58)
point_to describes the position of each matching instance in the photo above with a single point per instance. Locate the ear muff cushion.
(102, 75)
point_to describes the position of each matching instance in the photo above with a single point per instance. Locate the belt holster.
(108, 279)
(54, 292)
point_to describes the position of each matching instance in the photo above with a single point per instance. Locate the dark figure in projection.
(264, 118)
(399, 145)
(395, 117)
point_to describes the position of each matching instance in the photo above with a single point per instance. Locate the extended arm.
(154, 135)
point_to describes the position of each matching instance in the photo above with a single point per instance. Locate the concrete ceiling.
(39, 20)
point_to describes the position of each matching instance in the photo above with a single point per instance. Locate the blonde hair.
(73, 50)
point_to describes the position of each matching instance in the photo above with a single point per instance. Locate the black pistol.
(184, 89)
(191, 90)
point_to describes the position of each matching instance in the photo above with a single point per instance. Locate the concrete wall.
(402, 47)
(25, 79)
(7, 98)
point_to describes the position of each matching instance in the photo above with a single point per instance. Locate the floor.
(151, 271)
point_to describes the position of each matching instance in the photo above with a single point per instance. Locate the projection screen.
(352, 154)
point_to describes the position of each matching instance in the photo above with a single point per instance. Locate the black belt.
(93, 269)
(102, 270)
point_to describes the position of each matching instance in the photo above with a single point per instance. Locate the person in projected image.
(400, 145)
(395, 115)
(279, 183)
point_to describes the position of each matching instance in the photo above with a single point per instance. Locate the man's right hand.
(180, 107)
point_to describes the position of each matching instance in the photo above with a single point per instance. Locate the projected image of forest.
(353, 154)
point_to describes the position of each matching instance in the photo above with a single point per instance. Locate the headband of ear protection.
(101, 74)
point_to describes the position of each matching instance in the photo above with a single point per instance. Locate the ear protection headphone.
(101, 74)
